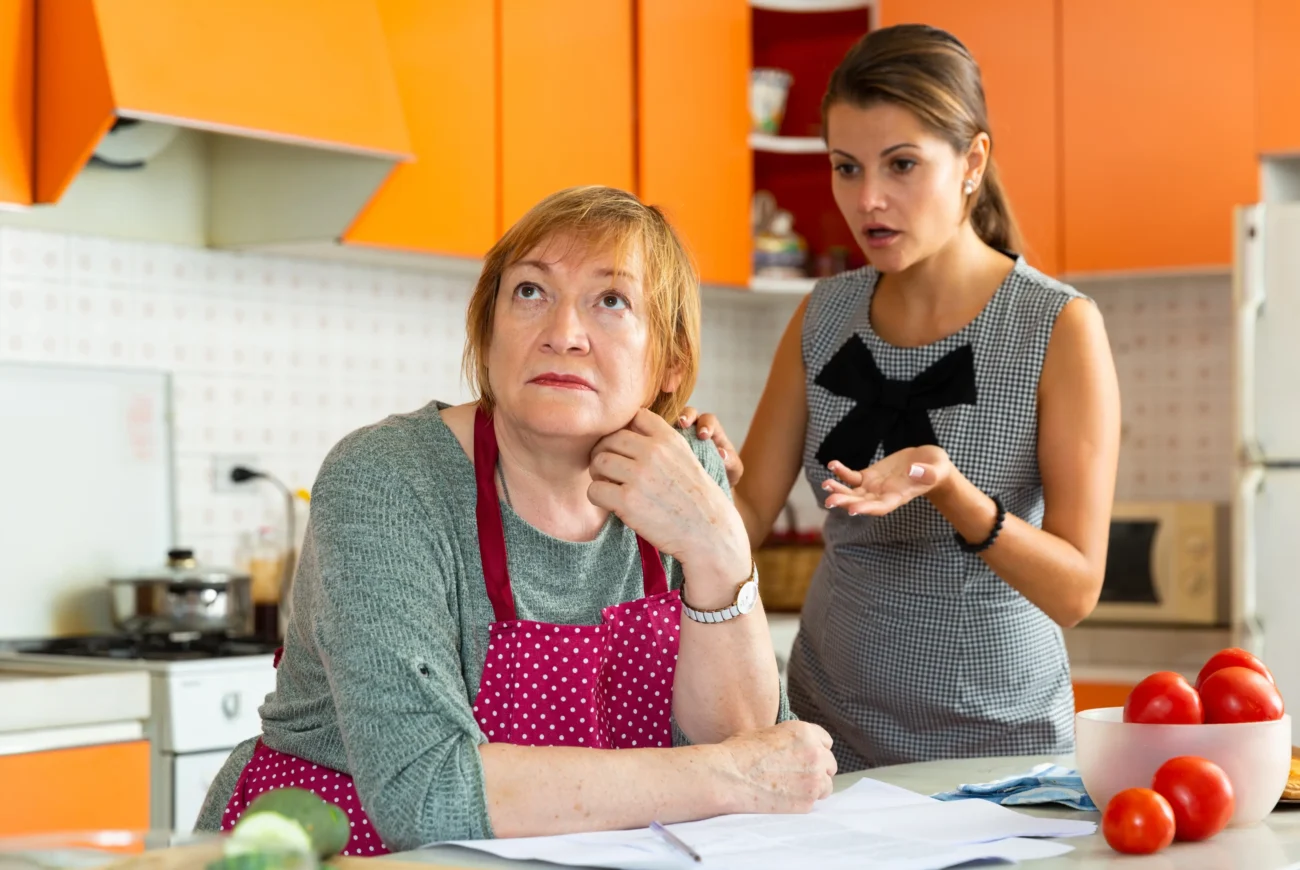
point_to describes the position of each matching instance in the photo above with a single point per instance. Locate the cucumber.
(291, 819)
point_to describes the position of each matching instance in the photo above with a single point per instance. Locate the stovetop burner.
(151, 647)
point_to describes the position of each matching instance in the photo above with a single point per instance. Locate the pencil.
(668, 837)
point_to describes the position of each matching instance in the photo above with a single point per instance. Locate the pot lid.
(183, 567)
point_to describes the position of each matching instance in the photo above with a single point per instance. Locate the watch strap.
(726, 613)
(710, 616)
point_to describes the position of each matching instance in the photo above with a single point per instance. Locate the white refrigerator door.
(1267, 600)
(1267, 291)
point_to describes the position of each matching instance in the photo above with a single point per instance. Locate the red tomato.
(1138, 821)
(1240, 695)
(1200, 794)
(1231, 658)
(1164, 698)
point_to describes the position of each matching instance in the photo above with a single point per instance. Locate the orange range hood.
(297, 98)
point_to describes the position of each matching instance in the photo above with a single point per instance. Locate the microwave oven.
(1167, 563)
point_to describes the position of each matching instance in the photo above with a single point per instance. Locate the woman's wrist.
(713, 580)
(716, 568)
(970, 512)
(721, 780)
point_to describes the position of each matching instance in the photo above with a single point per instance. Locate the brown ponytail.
(929, 72)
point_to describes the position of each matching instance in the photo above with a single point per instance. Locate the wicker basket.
(786, 563)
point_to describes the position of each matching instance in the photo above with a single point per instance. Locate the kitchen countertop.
(1272, 845)
(40, 711)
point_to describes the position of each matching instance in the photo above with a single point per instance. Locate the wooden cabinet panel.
(1014, 42)
(446, 200)
(694, 159)
(1158, 131)
(83, 789)
(1277, 40)
(567, 90)
(17, 60)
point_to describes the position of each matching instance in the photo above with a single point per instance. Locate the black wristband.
(993, 535)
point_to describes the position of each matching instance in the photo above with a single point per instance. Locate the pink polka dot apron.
(606, 686)
(268, 770)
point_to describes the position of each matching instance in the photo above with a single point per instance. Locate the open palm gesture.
(889, 484)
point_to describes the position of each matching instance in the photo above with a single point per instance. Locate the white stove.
(204, 695)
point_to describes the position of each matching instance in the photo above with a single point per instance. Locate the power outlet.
(222, 463)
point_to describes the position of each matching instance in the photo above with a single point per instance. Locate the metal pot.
(184, 598)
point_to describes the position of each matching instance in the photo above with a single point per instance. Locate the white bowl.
(1113, 755)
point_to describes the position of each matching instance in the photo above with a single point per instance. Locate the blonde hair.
(602, 218)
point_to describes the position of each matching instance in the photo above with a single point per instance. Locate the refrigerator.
(1265, 573)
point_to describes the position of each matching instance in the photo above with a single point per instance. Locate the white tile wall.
(1172, 341)
(277, 358)
(272, 358)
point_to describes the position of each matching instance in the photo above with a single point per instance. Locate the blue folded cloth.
(1045, 784)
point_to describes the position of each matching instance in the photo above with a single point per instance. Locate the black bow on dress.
(894, 412)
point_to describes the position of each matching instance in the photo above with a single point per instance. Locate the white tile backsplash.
(277, 358)
(1172, 341)
(273, 358)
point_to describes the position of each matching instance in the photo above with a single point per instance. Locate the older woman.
(482, 601)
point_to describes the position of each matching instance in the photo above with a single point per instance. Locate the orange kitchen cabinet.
(83, 789)
(445, 201)
(1089, 696)
(17, 35)
(693, 154)
(1277, 70)
(293, 70)
(567, 94)
(1014, 42)
(1158, 131)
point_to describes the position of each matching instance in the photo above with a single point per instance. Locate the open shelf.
(792, 164)
(811, 5)
(786, 144)
(782, 286)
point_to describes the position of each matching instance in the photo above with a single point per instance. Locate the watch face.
(747, 597)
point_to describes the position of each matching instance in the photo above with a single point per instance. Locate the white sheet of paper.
(867, 823)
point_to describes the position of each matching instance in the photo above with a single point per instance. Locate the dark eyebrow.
(844, 154)
(892, 148)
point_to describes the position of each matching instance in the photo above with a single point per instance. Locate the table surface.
(1271, 845)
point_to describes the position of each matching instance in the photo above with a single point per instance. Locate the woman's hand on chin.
(648, 476)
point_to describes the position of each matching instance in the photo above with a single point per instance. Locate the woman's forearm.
(542, 790)
(1048, 570)
(755, 527)
(726, 680)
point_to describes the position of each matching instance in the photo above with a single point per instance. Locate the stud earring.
(969, 186)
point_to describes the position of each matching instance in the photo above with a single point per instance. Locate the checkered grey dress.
(910, 649)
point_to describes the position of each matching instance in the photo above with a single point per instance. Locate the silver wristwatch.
(746, 598)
